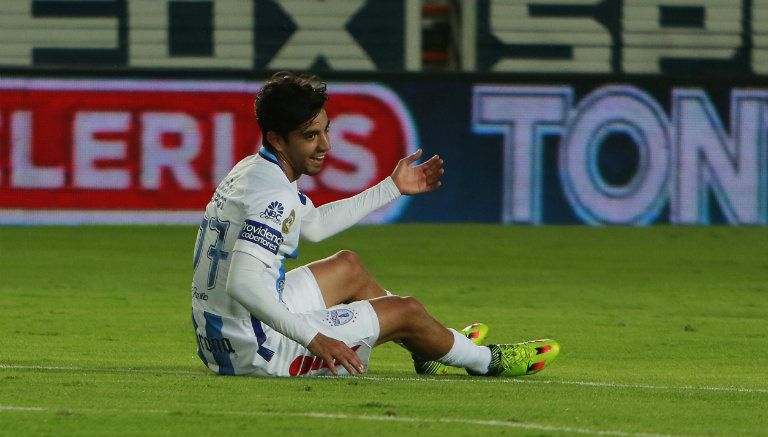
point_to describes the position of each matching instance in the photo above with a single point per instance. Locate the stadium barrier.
(536, 150)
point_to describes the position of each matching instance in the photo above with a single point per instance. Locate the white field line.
(12, 408)
(405, 379)
(329, 416)
(582, 383)
(103, 370)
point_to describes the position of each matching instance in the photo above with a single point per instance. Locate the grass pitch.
(664, 331)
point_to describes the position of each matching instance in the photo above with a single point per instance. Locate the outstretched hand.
(422, 178)
(335, 352)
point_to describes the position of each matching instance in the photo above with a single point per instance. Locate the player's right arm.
(250, 284)
(252, 276)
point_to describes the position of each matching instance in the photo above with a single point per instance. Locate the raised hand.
(335, 352)
(422, 178)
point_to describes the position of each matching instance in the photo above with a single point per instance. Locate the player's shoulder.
(256, 173)
(260, 181)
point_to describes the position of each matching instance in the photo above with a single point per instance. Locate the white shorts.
(355, 324)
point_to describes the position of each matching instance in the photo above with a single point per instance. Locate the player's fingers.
(351, 369)
(435, 176)
(433, 186)
(353, 361)
(430, 163)
(345, 362)
(328, 358)
(434, 171)
(357, 362)
(413, 157)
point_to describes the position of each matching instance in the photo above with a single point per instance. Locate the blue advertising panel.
(593, 152)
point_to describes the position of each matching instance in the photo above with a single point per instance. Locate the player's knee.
(351, 262)
(411, 308)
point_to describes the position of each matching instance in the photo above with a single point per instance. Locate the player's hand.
(422, 178)
(335, 352)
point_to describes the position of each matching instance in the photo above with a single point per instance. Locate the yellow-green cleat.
(475, 332)
(521, 358)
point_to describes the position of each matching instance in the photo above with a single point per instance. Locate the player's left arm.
(332, 218)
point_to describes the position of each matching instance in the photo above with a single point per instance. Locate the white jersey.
(257, 210)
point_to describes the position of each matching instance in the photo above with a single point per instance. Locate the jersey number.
(216, 250)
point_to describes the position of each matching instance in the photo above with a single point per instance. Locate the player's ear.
(276, 140)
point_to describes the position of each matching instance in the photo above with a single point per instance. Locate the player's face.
(307, 147)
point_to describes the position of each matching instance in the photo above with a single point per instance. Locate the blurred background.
(630, 112)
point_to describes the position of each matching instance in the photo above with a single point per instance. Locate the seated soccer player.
(252, 318)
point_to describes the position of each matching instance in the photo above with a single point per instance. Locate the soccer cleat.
(429, 367)
(521, 358)
(475, 332)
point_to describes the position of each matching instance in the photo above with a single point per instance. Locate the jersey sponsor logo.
(340, 317)
(288, 222)
(197, 294)
(215, 345)
(225, 189)
(274, 212)
(219, 200)
(262, 235)
(227, 186)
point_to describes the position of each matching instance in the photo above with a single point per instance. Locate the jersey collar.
(269, 156)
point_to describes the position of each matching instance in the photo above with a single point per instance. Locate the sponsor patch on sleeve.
(261, 235)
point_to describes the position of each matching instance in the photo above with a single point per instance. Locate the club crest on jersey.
(340, 317)
(288, 222)
(274, 212)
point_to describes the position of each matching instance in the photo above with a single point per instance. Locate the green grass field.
(664, 331)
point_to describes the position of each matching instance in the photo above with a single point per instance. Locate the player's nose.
(324, 144)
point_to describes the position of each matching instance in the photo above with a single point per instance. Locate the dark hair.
(288, 101)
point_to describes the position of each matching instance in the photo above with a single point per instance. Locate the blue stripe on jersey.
(261, 337)
(199, 341)
(218, 344)
(294, 254)
(280, 283)
(302, 198)
(269, 156)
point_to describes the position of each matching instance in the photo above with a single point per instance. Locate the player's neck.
(289, 171)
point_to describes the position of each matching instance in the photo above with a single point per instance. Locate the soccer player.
(252, 318)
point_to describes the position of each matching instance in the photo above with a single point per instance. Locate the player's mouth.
(317, 159)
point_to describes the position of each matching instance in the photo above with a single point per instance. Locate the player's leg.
(475, 332)
(355, 324)
(404, 318)
(343, 278)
